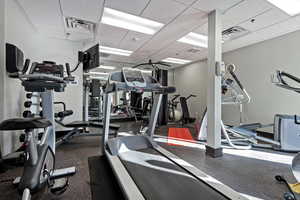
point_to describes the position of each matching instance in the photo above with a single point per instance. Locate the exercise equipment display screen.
(134, 77)
(51, 69)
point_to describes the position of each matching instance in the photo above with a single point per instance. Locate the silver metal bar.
(48, 113)
(85, 101)
(106, 119)
(214, 80)
(58, 173)
(154, 115)
(26, 194)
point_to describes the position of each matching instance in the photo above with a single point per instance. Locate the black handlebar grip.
(65, 113)
(237, 80)
(170, 89)
(68, 69)
(26, 66)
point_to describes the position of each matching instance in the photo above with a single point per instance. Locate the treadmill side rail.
(128, 186)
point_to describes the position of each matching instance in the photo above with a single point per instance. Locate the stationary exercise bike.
(39, 170)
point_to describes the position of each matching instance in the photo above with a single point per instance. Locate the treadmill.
(145, 170)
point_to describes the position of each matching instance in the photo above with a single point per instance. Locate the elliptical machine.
(174, 114)
(39, 168)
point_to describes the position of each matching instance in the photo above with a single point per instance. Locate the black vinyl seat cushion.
(24, 123)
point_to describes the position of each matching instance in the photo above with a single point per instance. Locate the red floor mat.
(179, 133)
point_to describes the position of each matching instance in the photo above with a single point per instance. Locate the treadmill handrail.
(155, 87)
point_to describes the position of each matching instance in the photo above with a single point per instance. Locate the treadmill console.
(49, 68)
(134, 78)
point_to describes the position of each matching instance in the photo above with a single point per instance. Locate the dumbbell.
(22, 137)
(27, 104)
(29, 95)
(27, 114)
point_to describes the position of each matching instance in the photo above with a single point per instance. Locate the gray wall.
(192, 79)
(37, 47)
(255, 64)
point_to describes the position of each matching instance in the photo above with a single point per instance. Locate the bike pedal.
(60, 186)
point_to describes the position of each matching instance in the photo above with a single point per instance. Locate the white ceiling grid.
(179, 16)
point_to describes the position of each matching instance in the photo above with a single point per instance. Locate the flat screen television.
(90, 58)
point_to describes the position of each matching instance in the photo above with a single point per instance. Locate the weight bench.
(79, 129)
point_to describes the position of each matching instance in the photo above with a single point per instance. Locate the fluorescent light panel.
(131, 22)
(291, 7)
(176, 60)
(195, 39)
(115, 51)
(107, 67)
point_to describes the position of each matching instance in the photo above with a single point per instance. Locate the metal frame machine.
(145, 170)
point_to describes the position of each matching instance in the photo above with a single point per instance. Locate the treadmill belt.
(103, 183)
(159, 178)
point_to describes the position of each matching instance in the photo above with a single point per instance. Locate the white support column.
(213, 147)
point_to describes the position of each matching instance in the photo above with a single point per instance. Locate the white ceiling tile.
(290, 25)
(133, 40)
(134, 7)
(46, 12)
(110, 35)
(202, 30)
(163, 11)
(244, 11)
(90, 11)
(186, 2)
(182, 25)
(266, 19)
(209, 5)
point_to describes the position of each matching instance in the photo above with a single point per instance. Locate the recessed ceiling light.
(291, 7)
(107, 67)
(131, 22)
(115, 51)
(195, 39)
(176, 60)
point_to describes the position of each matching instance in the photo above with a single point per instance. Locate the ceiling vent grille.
(78, 25)
(234, 33)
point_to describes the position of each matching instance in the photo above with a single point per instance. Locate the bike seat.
(24, 123)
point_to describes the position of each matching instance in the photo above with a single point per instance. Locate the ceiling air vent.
(79, 29)
(234, 33)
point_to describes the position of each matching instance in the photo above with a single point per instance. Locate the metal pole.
(48, 113)
(213, 147)
(154, 115)
(106, 119)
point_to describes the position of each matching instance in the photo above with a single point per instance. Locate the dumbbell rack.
(32, 105)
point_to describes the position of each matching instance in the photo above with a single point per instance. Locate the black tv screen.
(91, 58)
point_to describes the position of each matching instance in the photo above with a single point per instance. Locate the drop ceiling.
(262, 19)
